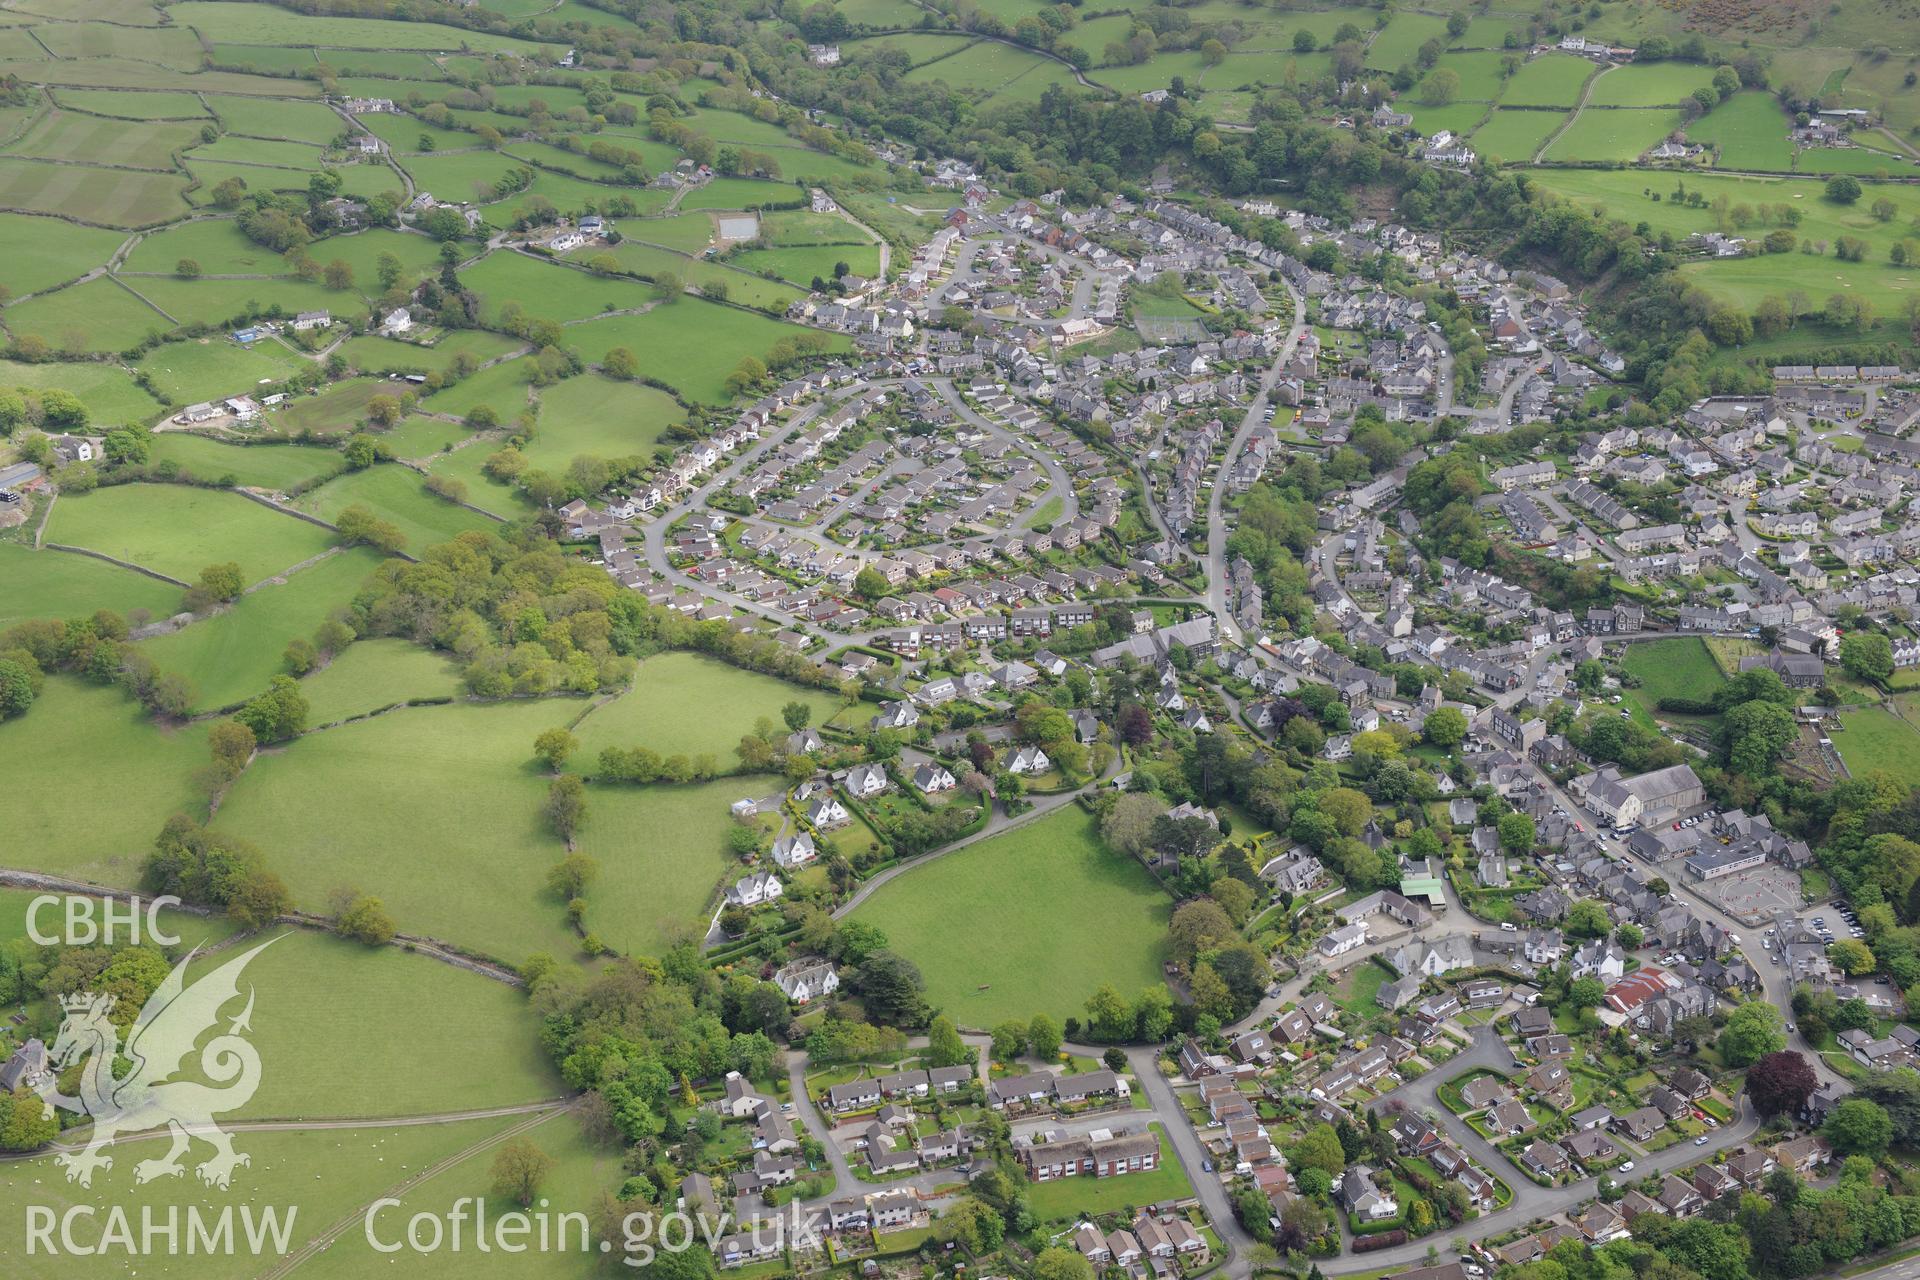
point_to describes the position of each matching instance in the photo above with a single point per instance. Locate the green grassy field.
(263, 24)
(58, 584)
(371, 674)
(218, 302)
(54, 825)
(687, 232)
(1551, 80)
(1515, 135)
(97, 315)
(581, 1172)
(337, 410)
(179, 531)
(322, 998)
(262, 466)
(398, 494)
(461, 779)
(316, 1176)
(739, 282)
(371, 354)
(43, 252)
(1401, 39)
(465, 465)
(1678, 668)
(1650, 84)
(992, 929)
(682, 702)
(691, 345)
(109, 392)
(216, 244)
(600, 417)
(502, 387)
(309, 122)
(231, 655)
(1750, 131)
(802, 263)
(74, 136)
(422, 437)
(1613, 134)
(548, 291)
(131, 106)
(205, 368)
(1874, 738)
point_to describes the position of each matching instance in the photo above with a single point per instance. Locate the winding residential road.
(1216, 496)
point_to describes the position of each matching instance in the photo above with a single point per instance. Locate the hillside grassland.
(43, 252)
(1550, 80)
(549, 291)
(323, 1000)
(1649, 84)
(233, 654)
(687, 703)
(96, 315)
(1677, 668)
(59, 584)
(130, 106)
(109, 391)
(483, 491)
(599, 417)
(1514, 135)
(1619, 134)
(803, 263)
(261, 466)
(192, 928)
(1750, 131)
(180, 531)
(1083, 915)
(321, 1175)
(264, 24)
(1400, 40)
(91, 779)
(72, 136)
(740, 282)
(690, 345)
(501, 387)
(310, 122)
(461, 782)
(208, 368)
(96, 196)
(217, 244)
(1874, 738)
(370, 353)
(581, 1172)
(398, 494)
(223, 302)
(371, 674)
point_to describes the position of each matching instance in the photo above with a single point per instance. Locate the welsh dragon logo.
(168, 1029)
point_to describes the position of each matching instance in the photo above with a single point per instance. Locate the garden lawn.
(691, 345)
(136, 776)
(461, 783)
(688, 704)
(278, 467)
(322, 998)
(1067, 1199)
(110, 393)
(1678, 668)
(398, 494)
(43, 252)
(1032, 920)
(59, 584)
(370, 674)
(600, 417)
(180, 531)
(1873, 738)
(206, 368)
(231, 655)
